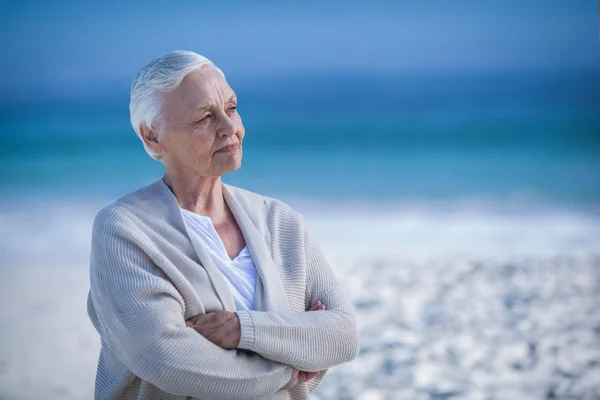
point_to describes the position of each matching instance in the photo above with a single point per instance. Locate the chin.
(235, 164)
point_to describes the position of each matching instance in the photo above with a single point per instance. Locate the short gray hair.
(163, 74)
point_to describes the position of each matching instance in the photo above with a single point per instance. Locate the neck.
(199, 194)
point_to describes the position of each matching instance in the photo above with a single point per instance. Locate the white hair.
(163, 74)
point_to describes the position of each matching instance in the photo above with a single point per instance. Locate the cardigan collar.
(250, 216)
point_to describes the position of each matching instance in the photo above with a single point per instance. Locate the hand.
(220, 327)
(299, 377)
(317, 305)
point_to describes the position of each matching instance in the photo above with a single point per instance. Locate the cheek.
(188, 146)
(200, 145)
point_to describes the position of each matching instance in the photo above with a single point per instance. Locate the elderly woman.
(200, 289)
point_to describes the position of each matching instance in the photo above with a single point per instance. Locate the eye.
(205, 118)
(232, 109)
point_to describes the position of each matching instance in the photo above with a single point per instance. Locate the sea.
(525, 138)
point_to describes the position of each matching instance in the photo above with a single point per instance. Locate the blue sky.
(75, 46)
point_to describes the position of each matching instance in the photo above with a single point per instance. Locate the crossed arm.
(141, 318)
(223, 329)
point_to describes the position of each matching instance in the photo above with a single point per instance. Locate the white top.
(239, 271)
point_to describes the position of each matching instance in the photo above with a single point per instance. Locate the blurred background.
(446, 154)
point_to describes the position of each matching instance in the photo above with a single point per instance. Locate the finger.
(293, 380)
(315, 306)
(310, 375)
(295, 377)
(301, 377)
(200, 318)
(304, 376)
(203, 324)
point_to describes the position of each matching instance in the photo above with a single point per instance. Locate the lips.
(231, 147)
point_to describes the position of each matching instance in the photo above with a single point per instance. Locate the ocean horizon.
(527, 138)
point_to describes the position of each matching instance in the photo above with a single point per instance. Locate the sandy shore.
(464, 306)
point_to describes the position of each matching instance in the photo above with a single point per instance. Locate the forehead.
(201, 88)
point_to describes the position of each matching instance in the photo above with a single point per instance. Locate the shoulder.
(122, 211)
(111, 221)
(116, 210)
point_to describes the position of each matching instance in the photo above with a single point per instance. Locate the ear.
(150, 138)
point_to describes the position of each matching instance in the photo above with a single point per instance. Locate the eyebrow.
(208, 105)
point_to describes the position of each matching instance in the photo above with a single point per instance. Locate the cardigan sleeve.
(141, 318)
(309, 341)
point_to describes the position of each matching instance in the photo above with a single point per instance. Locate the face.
(202, 130)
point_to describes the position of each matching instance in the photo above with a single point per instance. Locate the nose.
(227, 127)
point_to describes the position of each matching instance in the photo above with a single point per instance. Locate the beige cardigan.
(148, 275)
